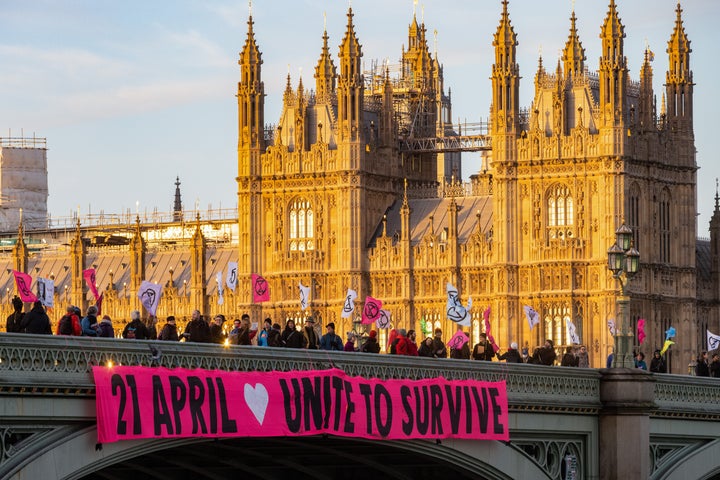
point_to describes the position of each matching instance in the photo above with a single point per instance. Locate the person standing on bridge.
(330, 341)
(136, 329)
(311, 335)
(197, 329)
(291, 338)
(657, 364)
(715, 366)
(36, 320)
(512, 355)
(439, 349)
(106, 329)
(483, 350)
(701, 367)
(15, 319)
(545, 355)
(371, 345)
(169, 330)
(89, 322)
(583, 359)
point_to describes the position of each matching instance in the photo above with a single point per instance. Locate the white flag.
(532, 315)
(149, 294)
(46, 291)
(218, 279)
(713, 341)
(611, 326)
(571, 332)
(304, 295)
(383, 320)
(231, 279)
(455, 310)
(349, 304)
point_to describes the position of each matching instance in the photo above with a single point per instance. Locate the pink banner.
(89, 276)
(23, 281)
(209, 403)
(260, 289)
(372, 310)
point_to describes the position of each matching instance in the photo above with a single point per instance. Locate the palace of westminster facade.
(343, 193)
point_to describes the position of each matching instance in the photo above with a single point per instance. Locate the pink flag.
(458, 340)
(260, 289)
(23, 283)
(491, 339)
(641, 330)
(98, 304)
(89, 276)
(371, 312)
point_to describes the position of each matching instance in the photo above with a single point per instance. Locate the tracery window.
(555, 324)
(302, 226)
(560, 211)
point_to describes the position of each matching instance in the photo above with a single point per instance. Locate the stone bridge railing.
(53, 366)
(36, 364)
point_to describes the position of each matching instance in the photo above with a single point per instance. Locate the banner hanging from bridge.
(143, 402)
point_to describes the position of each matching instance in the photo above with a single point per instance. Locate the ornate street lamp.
(623, 261)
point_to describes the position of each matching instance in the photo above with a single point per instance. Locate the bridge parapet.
(62, 365)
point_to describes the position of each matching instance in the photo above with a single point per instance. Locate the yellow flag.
(666, 346)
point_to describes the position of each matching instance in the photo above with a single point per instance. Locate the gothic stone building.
(343, 192)
(330, 198)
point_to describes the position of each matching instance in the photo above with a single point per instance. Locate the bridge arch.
(699, 460)
(73, 455)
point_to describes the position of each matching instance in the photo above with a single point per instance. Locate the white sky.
(131, 94)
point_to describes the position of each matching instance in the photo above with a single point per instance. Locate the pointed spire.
(505, 37)
(250, 54)
(679, 52)
(351, 88)
(505, 77)
(325, 72)
(177, 206)
(612, 34)
(574, 53)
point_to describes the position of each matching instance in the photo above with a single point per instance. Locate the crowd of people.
(309, 336)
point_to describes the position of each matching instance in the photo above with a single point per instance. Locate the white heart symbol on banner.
(257, 399)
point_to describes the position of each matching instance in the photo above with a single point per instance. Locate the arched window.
(560, 211)
(302, 226)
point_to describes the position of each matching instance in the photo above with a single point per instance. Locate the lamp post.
(623, 261)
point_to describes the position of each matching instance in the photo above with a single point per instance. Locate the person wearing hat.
(262, 336)
(330, 341)
(371, 345)
(311, 336)
(15, 319)
(169, 331)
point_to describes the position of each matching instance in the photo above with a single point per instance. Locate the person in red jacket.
(69, 324)
(412, 348)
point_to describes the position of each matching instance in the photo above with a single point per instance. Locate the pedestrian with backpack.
(69, 324)
(136, 329)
